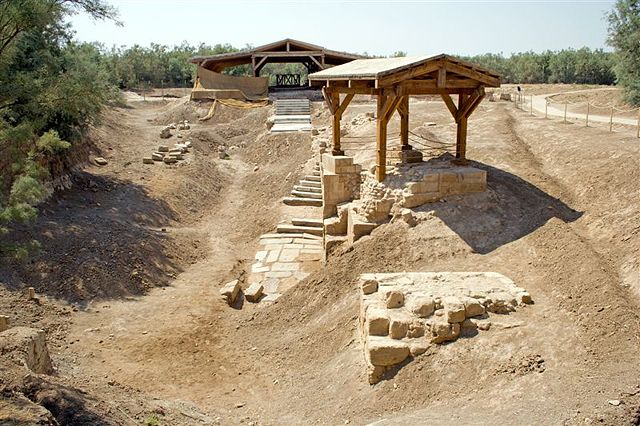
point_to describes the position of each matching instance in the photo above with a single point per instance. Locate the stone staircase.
(292, 115)
(308, 192)
(301, 226)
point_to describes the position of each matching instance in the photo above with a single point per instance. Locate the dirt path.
(540, 105)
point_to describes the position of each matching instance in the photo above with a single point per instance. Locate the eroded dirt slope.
(559, 219)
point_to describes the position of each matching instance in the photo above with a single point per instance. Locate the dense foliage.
(51, 88)
(624, 36)
(582, 66)
(158, 65)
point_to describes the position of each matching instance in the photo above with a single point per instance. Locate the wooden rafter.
(316, 61)
(408, 74)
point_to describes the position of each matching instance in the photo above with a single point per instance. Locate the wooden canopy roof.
(287, 50)
(406, 75)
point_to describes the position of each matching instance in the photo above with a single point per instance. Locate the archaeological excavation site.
(384, 241)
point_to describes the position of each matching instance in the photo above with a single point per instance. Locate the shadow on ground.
(510, 209)
(101, 239)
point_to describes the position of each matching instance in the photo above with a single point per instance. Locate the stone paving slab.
(283, 260)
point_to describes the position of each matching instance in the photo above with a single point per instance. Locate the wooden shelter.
(313, 57)
(392, 81)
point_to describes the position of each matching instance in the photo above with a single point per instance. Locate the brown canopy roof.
(287, 50)
(441, 72)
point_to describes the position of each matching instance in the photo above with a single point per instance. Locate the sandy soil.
(560, 218)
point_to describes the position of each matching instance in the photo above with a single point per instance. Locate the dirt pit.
(559, 217)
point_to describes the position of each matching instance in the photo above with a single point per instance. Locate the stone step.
(315, 189)
(312, 238)
(307, 221)
(312, 178)
(285, 228)
(309, 183)
(305, 194)
(316, 173)
(298, 201)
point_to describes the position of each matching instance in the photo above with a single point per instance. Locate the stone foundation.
(402, 314)
(340, 182)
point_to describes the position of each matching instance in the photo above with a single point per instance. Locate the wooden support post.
(381, 139)
(587, 122)
(335, 100)
(337, 109)
(546, 107)
(565, 112)
(611, 121)
(403, 110)
(461, 132)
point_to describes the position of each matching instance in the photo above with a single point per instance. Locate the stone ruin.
(355, 203)
(402, 314)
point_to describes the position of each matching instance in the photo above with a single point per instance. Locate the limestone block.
(474, 187)
(230, 292)
(383, 351)
(443, 331)
(336, 225)
(416, 329)
(394, 299)
(28, 346)
(399, 326)
(454, 310)
(405, 215)
(415, 200)
(254, 292)
(449, 178)
(170, 160)
(369, 286)
(473, 307)
(330, 163)
(5, 323)
(423, 306)
(357, 228)
(147, 160)
(474, 176)
(377, 322)
(418, 347)
(163, 148)
(157, 156)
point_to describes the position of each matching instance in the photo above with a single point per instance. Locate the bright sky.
(377, 27)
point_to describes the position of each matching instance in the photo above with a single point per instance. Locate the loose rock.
(395, 299)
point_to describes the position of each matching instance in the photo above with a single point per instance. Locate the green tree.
(624, 37)
(50, 89)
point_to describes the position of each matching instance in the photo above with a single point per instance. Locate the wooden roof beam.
(486, 79)
(407, 74)
(290, 53)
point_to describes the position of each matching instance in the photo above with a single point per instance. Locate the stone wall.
(402, 314)
(340, 182)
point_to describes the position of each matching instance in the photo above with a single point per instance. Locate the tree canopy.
(624, 37)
